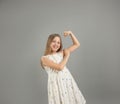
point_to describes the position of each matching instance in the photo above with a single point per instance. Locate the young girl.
(62, 88)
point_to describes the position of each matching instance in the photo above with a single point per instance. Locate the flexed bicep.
(75, 41)
(72, 48)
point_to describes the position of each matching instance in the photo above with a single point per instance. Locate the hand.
(67, 33)
(66, 52)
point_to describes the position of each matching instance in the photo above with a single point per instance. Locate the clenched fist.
(67, 33)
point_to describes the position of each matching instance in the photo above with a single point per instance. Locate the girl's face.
(55, 44)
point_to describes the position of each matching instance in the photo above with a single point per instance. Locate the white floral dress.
(62, 88)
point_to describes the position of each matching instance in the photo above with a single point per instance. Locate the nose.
(56, 43)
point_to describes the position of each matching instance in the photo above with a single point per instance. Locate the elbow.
(60, 67)
(78, 44)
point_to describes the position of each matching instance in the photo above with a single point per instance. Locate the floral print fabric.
(62, 88)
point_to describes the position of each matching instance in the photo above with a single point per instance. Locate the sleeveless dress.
(62, 88)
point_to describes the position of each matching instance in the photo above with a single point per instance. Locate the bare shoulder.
(44, 60)
(43, 57)
(61, 52)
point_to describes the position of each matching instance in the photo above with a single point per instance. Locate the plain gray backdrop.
(24, 28)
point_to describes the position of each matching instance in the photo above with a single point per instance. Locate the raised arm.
(75, 41)
(47, 62)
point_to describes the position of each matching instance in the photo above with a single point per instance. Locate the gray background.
(24, 28)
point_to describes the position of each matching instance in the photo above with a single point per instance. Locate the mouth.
(55, 47)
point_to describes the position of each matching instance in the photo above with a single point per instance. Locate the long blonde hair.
(48, 48)
(50, 38)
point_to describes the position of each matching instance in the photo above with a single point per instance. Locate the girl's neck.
(53, 52)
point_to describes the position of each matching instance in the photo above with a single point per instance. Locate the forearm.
(63, 62)
(57, 66)
(74, 39)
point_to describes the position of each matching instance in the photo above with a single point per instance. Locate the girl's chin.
(54, 51)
